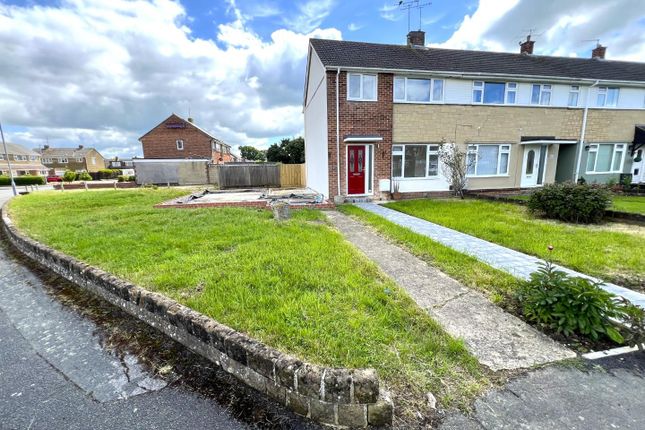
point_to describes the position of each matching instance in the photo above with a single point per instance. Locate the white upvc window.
(606, 158)
(361, 87)
(416, 90)
(180, 144)
(415, 161)
(79, 159)
(574, 95)
(93, 160)
(47, 160)
(488, 160)
(541, 94)
(62, 160)
(607, 97)
(494, 92)
(33, 157)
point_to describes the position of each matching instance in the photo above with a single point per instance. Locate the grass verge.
(296, 285)
(610, 255)
(632, 204)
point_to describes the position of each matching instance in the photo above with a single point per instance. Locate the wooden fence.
(246, 175)
(292, 175)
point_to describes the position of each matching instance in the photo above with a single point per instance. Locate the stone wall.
(337, 397)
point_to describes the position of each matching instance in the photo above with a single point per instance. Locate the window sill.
(406, 102)
(615, 172)
(362, 100)
(421, 178)
(487, 176)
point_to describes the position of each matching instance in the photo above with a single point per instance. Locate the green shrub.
(570, 305)
(122, 178)
(84, 176)
(109, 173)
(132, 178)
(578, 203)
(69, 176)
(23, 180)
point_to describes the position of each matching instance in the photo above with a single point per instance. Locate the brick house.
(376, 117)
(23, 161)
(79, 159)
(177, 138)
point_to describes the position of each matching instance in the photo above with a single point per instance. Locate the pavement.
(597, 395)
(71, 361)
(516, 263)
(498, 339)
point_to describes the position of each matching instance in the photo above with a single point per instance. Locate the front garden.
(605, 252)
(295, 285)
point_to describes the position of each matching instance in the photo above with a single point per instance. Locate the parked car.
(54, 179)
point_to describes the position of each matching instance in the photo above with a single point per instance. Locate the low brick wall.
(261, 204)
(334, 396)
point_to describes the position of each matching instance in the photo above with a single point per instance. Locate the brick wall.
(359, 118)
(161, 141)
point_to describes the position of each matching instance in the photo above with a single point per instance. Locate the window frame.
(405, 90)
(594, 147)
(179, 143)
(604, 92)
(361, 98)
(481, 86)
(543, 91)
(429, 152)
(63, 160)
(575, 91)
(500, 152)
(47, 160)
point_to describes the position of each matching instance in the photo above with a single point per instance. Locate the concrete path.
(514, 262)
(604, 394)
(498, 340)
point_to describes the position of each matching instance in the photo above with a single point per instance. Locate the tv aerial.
(413, 4)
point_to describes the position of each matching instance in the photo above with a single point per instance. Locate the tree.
(456, 168)
(288, 151)
(252, 153)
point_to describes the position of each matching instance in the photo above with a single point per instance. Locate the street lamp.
(6, 154)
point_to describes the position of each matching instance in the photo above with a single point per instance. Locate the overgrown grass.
(297, 285)
(497, 285)
(633, 204)
(613, 256)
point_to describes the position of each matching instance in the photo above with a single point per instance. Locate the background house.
(126, 165)
(80, 159)
(23, 161)
(376, 115)
(177, 138)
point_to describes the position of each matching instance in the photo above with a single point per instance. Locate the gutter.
(576, 174)
(337, 132)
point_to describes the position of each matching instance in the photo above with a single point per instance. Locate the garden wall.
(334, 396)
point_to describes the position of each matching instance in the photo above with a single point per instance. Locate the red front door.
(356, 169)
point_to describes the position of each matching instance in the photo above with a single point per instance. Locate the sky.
(101, 73)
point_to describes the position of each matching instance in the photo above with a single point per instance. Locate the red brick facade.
(161, 142)
(359, 118)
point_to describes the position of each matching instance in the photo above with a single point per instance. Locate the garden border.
(338, 397)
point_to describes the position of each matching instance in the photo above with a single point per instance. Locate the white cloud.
(310, 15)
(354, 27)
(390, 12)
(101, 73)
(565, 27)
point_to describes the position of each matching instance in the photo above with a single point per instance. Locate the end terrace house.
(376, 116)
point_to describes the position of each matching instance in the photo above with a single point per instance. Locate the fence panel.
(248, 175)
(292, 175)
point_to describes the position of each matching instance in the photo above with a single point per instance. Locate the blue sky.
(102, 72)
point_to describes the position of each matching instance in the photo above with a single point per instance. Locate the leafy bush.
(570, 305)
(69, 176)
(109, 173)
(578, 203)
(22, 180)
(633, 324)
(122, 178)
(132, 178)
(84, 176)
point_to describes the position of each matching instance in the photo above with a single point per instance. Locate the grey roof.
(13, 148)
(65, 152)
(336, 53)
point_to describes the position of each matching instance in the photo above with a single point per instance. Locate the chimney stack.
(45, 147)
(190, 120)
(599, 52)
(526, 47)
(417, 38)
(80, 146)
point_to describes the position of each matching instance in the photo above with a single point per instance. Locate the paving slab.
(605, 394)
(514, 262)
(499, 340)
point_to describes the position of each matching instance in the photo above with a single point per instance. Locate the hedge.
(23, 180)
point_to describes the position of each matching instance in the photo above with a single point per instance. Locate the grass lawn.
(610, 255)
(634, 204)
(297, 285)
